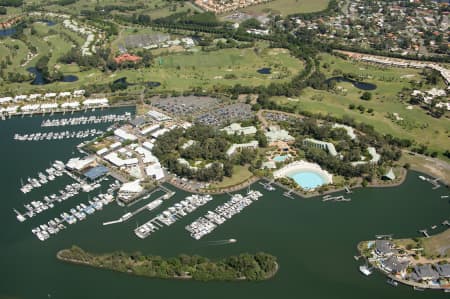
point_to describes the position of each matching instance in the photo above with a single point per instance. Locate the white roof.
(65, 94)
(124, 135)
(131, 187)
(20, 97)
(80, 163)
(148, 156)
(236, 128)
(155, 170)
(149, 129)
(50, 95)
(70, 104)
(159, 133)
(115, 145)
(234, 147)
(148, 145)
(49, 105)
(158, 115)
(6, 100)
(93, 102)
(102, 151)
(30, 107)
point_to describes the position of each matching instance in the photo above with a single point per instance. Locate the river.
(313, 241)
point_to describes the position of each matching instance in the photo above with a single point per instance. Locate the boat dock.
(268, 186)
(424, 232)
(172, 214)
(335, 198)
(150, 206)
(433, 182)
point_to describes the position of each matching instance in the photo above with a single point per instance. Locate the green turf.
(287, 7)
(417, 124)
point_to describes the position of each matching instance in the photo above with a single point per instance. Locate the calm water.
(40, 80)
(357, 84)
(308, 179)
(314, 241)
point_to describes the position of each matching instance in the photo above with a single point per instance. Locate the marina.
(86, 120)
(36, 207)
(56, 170)
(206, 224)
(75, 214)
(299, 232)
(149, 207)
(40, 136)
(172, 214)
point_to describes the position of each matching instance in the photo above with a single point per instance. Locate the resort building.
(276, 134)
(129, 190)
(236, 128)
(158, 116)
(326, 146)
(375, 156)
(124, 135)
(187, 144)
(350, 131)
(79, 164)
(127, 58)
(233, 148)
(155, 171)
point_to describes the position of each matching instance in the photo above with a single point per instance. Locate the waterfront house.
(443, 270)
(424, 273)
(384, 247)
(394, 266)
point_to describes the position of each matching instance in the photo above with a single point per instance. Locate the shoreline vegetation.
(243, 267)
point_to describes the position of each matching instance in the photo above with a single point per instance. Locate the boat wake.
(222, 242)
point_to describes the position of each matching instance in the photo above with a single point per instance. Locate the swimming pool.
(308, 179)
(280, 158)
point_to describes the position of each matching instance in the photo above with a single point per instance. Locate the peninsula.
(245, 267)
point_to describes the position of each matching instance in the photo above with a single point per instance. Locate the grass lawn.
(287, 7)
(438, 244)
(182, 71)
(240, 174)
(417, 125)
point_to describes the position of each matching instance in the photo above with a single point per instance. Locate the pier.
(424, 232)
(340, 198)
(127, 216)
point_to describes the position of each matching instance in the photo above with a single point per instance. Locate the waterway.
(314, 241)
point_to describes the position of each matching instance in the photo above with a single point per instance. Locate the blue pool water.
(280, 158)
(307, 179)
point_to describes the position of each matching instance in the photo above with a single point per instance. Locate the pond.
(357, 84)
(153, 84)
(40, 80)
(7, 32)
(265, 70)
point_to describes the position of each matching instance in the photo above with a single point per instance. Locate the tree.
(366, 96)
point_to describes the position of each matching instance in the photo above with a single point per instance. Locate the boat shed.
(96, 172)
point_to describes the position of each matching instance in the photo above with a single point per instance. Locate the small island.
(245, 267)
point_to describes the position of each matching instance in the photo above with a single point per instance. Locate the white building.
(328, 146)
(236, 128)
(124, 135)
(79, 164)
(155, 170)
(103, 102)
(233, 148)
(276, 134)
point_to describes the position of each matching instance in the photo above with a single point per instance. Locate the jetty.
(150, 206)
(340, 198)
(424, 232)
